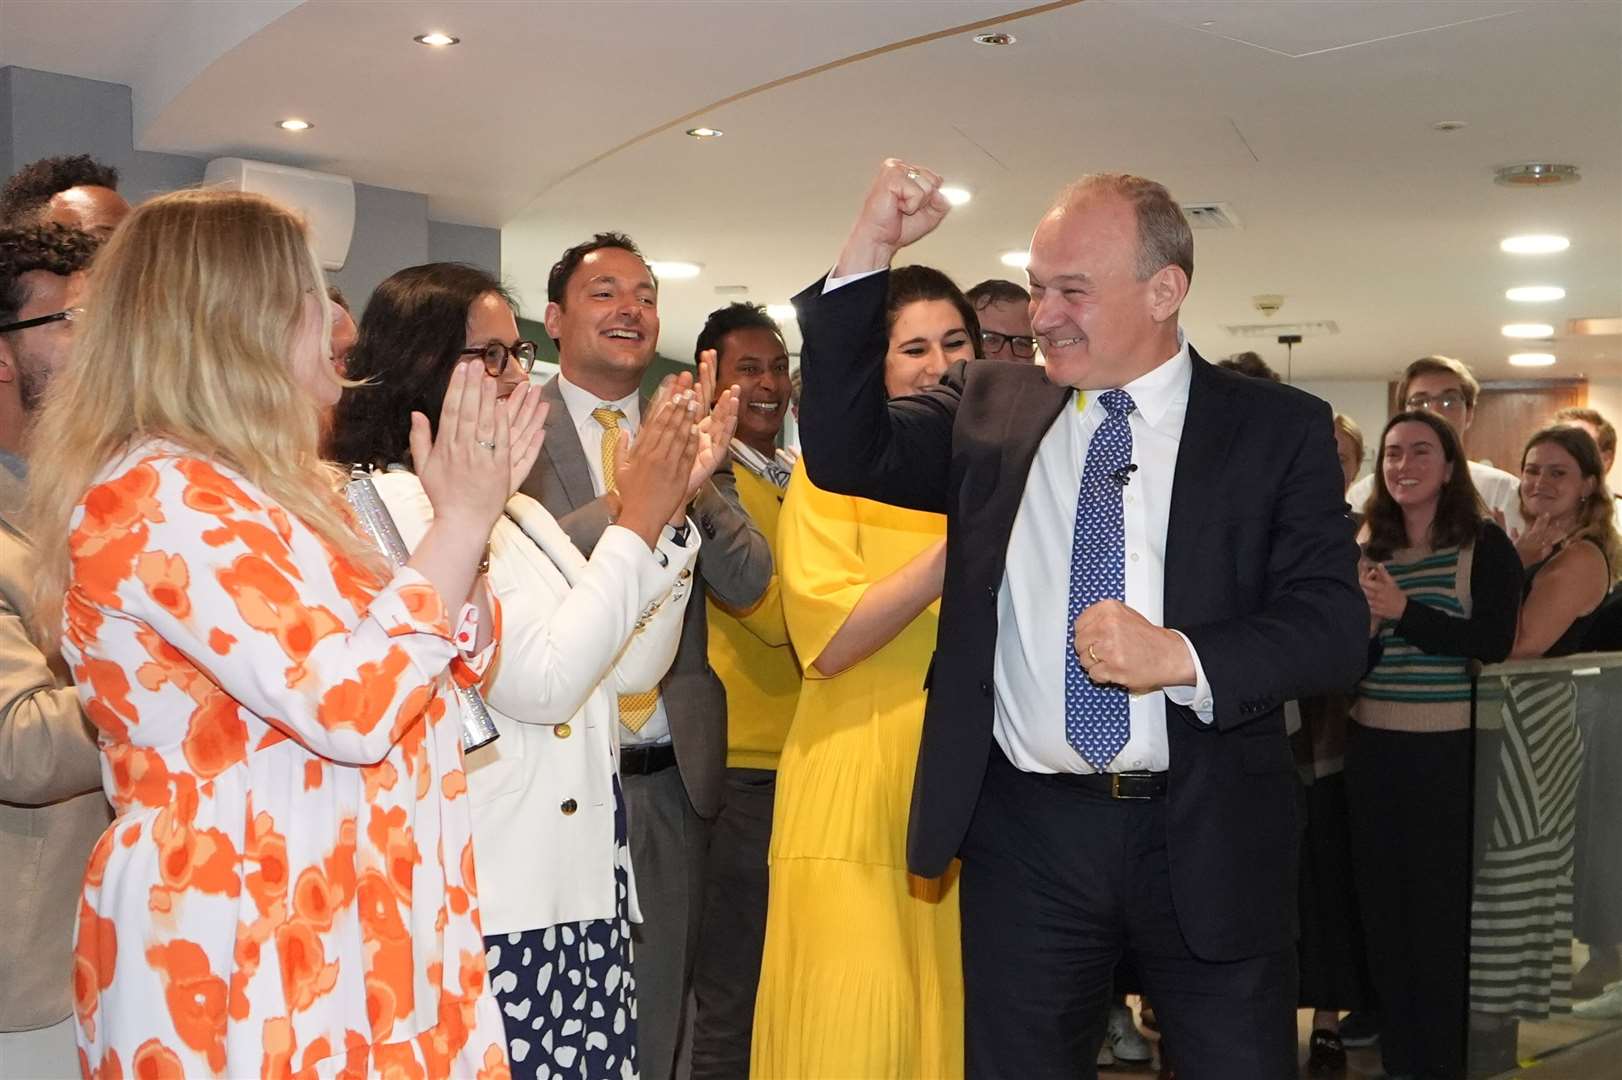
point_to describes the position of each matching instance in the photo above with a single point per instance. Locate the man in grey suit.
(603, 311)
(52, 809)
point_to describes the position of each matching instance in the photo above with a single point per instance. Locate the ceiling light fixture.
(705, 132)
(956, 196)
(294, 124)
(1019, 260)
(1542, 244)
(1447, 125)
(782, 312)
(1536, 174)
(1531, 359)
(1534, 294)
(1528, 330)
(995, 39)
(437, 40)
(675, 270)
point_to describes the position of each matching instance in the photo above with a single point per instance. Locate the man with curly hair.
(76, 191)
(51, 805)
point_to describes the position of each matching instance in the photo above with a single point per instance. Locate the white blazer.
(574, 635)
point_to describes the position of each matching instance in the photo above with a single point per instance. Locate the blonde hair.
(1348, 427)
(194, 308)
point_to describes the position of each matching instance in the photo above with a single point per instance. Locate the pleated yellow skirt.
(861, 977)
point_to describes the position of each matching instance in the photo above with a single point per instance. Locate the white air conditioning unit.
(327, 201)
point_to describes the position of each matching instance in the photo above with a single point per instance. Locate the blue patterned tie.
(1097, 720)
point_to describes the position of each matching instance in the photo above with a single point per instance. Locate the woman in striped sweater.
(1443, 584)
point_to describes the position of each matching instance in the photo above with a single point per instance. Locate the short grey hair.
(1164, 238)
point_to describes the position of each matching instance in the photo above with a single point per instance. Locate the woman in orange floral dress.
(287, 889)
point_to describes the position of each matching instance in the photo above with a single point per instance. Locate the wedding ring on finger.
(912, 174)
(487, 444)
(1093, 655)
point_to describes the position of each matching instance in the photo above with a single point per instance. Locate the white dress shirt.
(656, 732)
(1033, 623)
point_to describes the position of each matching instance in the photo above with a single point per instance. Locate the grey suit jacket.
(51, 807)
(734, 564)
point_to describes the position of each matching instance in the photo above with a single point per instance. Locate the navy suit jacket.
(1260, 573)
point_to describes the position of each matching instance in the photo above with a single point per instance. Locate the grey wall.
(43, 114)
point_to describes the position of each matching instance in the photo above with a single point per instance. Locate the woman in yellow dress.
(862, 975)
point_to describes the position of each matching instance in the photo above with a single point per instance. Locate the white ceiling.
(1311, 119)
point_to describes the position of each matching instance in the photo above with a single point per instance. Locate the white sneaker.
(1608, 1006)
(1123, 1039)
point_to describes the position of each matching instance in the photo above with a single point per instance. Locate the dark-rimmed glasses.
(1023, 347)
(72, 314)
(496, 354)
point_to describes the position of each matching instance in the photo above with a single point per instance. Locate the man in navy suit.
(1146, 556)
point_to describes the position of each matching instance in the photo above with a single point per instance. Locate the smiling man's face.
(607, 325)
(756, 360)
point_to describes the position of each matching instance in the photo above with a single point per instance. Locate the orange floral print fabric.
(287, 890)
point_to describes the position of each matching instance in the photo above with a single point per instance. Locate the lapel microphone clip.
(1123, 475)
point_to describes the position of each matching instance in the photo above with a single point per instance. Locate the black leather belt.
(1128, 785)
(642, 760)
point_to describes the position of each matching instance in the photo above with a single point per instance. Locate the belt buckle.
(1115, 790)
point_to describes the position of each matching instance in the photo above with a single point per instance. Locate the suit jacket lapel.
(1202, 455)
(563, 450)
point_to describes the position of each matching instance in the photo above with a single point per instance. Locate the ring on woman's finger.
(490, 445)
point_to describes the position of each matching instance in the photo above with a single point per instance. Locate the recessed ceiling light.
(956, 196)
(1019, 260)
(705, 133)
(437, 40)
(1447, 125)
(1531, 359)
(1535, 294)
(782, 312)
(674, 270)
(294, 124)
(1536, 174)
(995, 39)
(1533, 245)
(1528, 330)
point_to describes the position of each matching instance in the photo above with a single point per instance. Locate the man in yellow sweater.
(749, 650)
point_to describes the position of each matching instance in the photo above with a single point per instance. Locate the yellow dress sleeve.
(819, 559)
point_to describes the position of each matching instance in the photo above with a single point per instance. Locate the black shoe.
(1360, 1029)
(1326, 1054)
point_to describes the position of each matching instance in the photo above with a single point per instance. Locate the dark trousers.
(732, 932)
(1409, 799)
(668, 840)
(1057, 883)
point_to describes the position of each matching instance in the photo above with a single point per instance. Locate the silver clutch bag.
(478, 729)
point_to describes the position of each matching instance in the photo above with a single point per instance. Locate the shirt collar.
(1156, 390)
(581, 402)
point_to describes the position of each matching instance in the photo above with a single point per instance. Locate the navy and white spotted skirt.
(566, 992)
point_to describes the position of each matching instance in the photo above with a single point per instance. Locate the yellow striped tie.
(635, 709)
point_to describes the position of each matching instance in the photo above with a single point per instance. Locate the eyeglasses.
(72, 314)
(1024, 347)
(1451, 399)
(495, 356)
